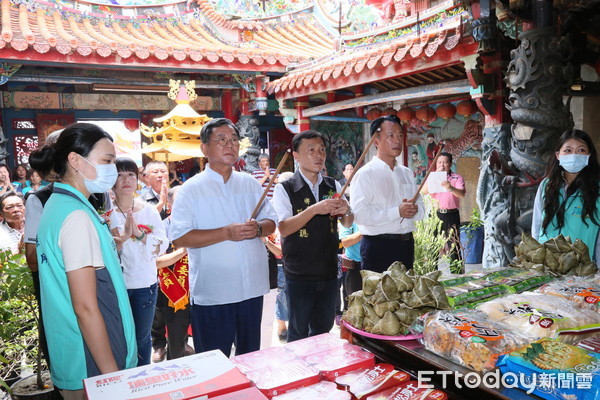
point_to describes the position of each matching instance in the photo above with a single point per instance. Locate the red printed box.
(321, 391)
(409, 391)
(250, 393)
(315, 344)
(365, 382)
(204, 374)
(262, 359)
(339, 361)
(281, 378)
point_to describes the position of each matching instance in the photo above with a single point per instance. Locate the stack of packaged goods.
(581, 291)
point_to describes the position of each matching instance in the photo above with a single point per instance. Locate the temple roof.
(439, 29)
(197, 39)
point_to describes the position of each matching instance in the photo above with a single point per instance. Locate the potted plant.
(19, 333)
(471, 238)
(430, 242)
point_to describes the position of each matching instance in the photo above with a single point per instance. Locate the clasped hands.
(334, 207)
(130, 229)
(408, 209)
(243, 231)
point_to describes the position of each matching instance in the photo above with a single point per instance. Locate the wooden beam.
(420, 92)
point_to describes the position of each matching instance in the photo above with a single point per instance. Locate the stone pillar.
(515, 155)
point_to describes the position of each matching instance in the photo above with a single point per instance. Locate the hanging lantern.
(376, 112)
(426, 114)
(466, 108)
(389, 111)
(445, 110)
(406, 114)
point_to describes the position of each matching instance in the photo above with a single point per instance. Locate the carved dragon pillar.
(515, 156)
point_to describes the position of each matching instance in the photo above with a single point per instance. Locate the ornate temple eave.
(305, 85)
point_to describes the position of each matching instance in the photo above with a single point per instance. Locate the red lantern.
(376, 113)
(466, 108)
(426, 114)
(445, 110)
(406, 114)
(389, 111)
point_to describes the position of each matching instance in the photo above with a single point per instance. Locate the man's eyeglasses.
(223, 141)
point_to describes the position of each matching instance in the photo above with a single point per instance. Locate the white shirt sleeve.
(536, 218)
(182, 215)
(33, 212)
(281, 203)
(79, 242)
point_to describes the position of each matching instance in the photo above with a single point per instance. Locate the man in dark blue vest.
(308, 210)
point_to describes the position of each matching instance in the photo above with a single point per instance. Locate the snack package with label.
(581, 291)
(319, 391)
(281, 378)
(409, 391)
(315, 344)
(469, 338)
(262, 359)
(540, 315)
(553, 370)
(338, 361)
(365, 382)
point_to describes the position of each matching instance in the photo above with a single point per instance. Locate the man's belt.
(393, 236)
(448, 210)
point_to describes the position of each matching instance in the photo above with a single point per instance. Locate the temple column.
(301, 104)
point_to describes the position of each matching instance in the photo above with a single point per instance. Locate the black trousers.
(451, 224)
(176, 322)
(379, 253)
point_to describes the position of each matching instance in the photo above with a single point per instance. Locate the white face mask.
(106, 176)
(574, 163)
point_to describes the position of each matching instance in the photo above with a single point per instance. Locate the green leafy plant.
(430, 241)
(19, 319)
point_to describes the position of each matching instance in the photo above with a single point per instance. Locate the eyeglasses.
(223, 141)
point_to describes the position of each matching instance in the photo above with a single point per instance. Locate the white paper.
(435, 180)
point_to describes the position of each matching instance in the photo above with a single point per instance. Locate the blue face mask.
(106, 176)
(574, 163)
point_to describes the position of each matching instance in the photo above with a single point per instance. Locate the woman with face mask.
(86, 313)
(140, 236)
(567, 200)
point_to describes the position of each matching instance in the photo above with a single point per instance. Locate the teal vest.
(65, 341)
(574, 226)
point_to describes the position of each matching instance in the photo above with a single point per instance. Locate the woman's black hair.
(127, 164)
(587, 183)
(79, 138)
(447, 155)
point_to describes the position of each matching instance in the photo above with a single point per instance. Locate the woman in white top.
(140, 236)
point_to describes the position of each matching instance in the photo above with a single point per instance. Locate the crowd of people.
(128, 261)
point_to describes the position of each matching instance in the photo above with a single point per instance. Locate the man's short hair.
(309, 134)
(6, 195)
(376, 124)
(207, 128)
(151, 163)
(263, 156)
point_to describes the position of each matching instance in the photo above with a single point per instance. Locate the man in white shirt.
(12, 209)
(380, 198)
(227, 260)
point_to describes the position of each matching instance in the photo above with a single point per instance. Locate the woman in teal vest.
(567, 200)
(86, 313)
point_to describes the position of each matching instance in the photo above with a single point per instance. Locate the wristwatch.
(259, 230)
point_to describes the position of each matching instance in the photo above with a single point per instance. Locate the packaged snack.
(540, 315)
(579, 290)
(262, 358)
(321, 391)
(314, 344)
(338, 361)
(469, 338)
(409, 391)
(592, 344)
(281, 378)
(553, 370)
(366, 382)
